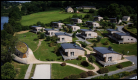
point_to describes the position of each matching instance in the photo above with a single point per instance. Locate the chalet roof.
(49, 29)
(122, 34)
(70, 46)
(58, 34)
(85, 30)
(104, 50)
(111, 18)
(89, 21)
(126, 17)
(35, 26)
(111, 29)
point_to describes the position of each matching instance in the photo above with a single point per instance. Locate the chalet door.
(109, 58)
(72, 53)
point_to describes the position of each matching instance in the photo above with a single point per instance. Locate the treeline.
(38, 6)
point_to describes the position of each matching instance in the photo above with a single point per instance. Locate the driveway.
(132, 59)
(81, 39)
(119, 28)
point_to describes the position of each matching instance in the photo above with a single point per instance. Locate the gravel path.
(38, 45)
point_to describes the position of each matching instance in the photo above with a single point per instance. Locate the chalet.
(50, 32)
(37, 29)
(126, 18)
(97, 18)
(76, 20)
(63, 37)
(73, 27)
(120, 37)
(90, 23)
(106, 56)
(88, 33)
(71, 51)
(69, 9)
(57, 24)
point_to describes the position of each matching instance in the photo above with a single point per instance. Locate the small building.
(106, 56)
(63, 37)
(120, 37)
(69, 9)
(113, 20)
(97, 18)
(37, 29)
(126, 18)
(57, 25)
(124, 38)
(86, 7)
(88, 33)
(71, 51)
(50, 32)
(90, 23)
(76, 20)
(73, 27)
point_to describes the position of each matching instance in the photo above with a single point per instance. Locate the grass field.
(59, 72)
(29, 39)
(22, 68)
(45, 17)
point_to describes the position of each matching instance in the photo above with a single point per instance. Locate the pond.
(4, 19)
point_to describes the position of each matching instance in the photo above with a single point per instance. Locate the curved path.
(38, 45)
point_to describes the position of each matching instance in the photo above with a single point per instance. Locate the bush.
(84, 44)
(106, 75)
(66, 77)
(74, 76)
(63, 64)
(92, 58)
(52, 44)
(42, 36)
(103, 70)
(79, 58)
(120, 66)
(74, 35)
(35, 39)
(90, 73)
(48, 38)
(83, 75)
(106, 43)
(85, 63)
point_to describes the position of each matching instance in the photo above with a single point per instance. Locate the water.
(4, 19)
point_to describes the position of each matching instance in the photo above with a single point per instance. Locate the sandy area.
(21, 32)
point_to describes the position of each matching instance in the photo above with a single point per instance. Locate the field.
(45, 17)
(59, 72)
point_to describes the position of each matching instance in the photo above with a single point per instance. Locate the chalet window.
(51, 33)
(89, 34)
(74, 28)
(63, 39)
(71, 53)
(131, 39)
(128, 39)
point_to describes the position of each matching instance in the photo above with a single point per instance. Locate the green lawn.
(22, 68)
(131, 29)
(79, 63)
(45, 17)
(113, 67)
(59, 72)
(74, 39)
(32, 71)
(29, 39)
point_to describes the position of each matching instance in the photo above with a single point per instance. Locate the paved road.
(132, 59)
(28, 71)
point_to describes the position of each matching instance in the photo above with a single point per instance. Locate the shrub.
(84, 44)
(79, 58)
(66, 77)
(120, 66)
(74, 35)
(63, 64)
(85, 63)
(48, 38)
(103, 70)
(74, 76)
(106, 43)
(83, 75)
(90, 73)
(92, 58)
(35, 39)
(52, 44)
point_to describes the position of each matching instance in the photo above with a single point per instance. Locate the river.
(4, 19)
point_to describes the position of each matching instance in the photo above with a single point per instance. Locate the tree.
(91, 11)
(94, 44)
(42, 36)
(48, 38)
(98, 38)
(8, 28)
(74, 35)
(92, 59)
(91, 27)
(118, 17)
(8, 71)
(113, 26)
(70, 30)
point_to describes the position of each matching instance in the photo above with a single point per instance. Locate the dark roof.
(85, 30)
(89, 21)
(104, 50)
(126, 16)
(70, 46)
(35, 26)
(49, 29)
(111, 18)
(122, 34)
(89, 6)
(111, 29)
(62, 34)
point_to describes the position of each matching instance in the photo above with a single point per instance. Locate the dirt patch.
(21, 32)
